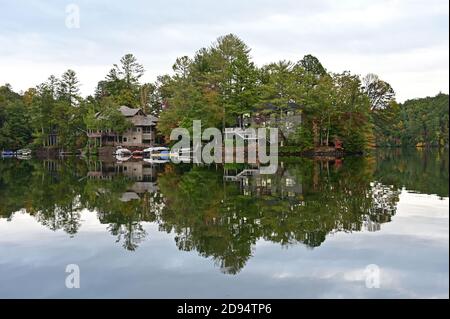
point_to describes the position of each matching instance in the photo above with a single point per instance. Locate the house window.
(125, 139)
(290, 182)
(147, 129)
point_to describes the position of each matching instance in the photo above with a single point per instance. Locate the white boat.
(24, 152)
(164, 154)
(24, 157)
(159, 151)
(123, 158)
(121, 151)
(122, 154)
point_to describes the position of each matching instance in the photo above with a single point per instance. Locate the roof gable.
(136, 116)
(128, 111)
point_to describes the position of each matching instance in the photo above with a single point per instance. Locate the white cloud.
(405, 42)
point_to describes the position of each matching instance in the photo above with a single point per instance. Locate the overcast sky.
(404, 42)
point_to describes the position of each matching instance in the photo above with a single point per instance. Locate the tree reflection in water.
(221, 212)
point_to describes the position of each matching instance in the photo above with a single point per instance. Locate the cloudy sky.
(405, 42)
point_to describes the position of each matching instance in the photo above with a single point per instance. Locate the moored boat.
(159, 151)
(24, 152)
(123, 158)
(164, 153)
(8, 153)
(122, 154)
(121, 151)
(137, 154)
(24, 157)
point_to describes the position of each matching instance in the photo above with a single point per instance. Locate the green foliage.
(312, 65)
(122, 82)
(216, 86)
(425, 121)
(379, 92)
(418, 122)
(333, 105)
(220, 85)
(15, 131)
(53, 107)
(303, 137)
(56, 109)
(105, 115)
(388, 125)
(352, 124)
(68, 89)
(277, 83)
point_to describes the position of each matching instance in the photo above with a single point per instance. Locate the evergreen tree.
(68, 89)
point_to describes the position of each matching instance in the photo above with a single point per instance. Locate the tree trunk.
(328, 130)
(43, 137)
(315, 133)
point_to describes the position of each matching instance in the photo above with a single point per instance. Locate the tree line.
(219, 85)
(420, 122)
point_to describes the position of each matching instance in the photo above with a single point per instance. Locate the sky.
(405, 42)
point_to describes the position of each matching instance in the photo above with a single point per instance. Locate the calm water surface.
(138, 230)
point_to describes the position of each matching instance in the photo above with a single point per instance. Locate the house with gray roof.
(141, 135)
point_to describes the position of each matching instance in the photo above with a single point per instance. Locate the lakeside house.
(287, 118)
(142, 134)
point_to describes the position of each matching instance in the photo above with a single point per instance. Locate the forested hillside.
(416, 122)
(218, 85)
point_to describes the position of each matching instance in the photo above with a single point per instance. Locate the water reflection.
(221, 212)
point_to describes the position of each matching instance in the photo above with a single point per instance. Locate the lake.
(360, 227)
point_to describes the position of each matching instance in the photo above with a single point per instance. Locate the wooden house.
(142, 133)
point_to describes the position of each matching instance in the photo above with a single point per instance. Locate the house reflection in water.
(282, 185)
(126, 196)
(355, 203)
(143, 174)
(219, 214)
